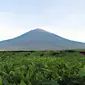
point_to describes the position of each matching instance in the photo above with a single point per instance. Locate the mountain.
(39, 39)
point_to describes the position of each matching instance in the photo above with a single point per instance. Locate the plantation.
(42, 68)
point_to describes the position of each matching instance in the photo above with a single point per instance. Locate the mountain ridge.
(39, 39)
(42, 30)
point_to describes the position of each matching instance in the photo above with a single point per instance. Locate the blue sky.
(63, 17)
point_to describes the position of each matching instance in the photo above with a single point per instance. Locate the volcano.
(39, 39)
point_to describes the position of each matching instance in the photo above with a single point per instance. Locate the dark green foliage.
(31, 68)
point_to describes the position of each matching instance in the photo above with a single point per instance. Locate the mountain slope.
(39, 39)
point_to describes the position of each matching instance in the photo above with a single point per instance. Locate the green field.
(42, 68)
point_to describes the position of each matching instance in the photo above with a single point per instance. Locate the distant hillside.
(39, 39)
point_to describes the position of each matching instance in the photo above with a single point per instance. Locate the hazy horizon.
(65, 18)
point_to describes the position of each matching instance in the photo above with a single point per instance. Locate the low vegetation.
(42, 68)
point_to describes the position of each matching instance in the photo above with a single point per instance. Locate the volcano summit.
(39, 39)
